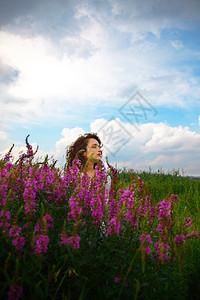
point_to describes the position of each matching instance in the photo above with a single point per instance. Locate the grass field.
(161, 185)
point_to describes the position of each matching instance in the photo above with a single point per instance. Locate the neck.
(90, 169)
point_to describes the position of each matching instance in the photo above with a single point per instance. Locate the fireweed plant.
(62, 238)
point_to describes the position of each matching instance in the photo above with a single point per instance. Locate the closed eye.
(95, 146)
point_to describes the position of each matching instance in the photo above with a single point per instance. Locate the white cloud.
(4, 141)
(163, 160)
(151, 15)
(166, 139)
(69, 136)
(45, 80)
(49, 79)
(133, 16)
(150, 137)
(177, 44)
(156, 145)
(92, 64)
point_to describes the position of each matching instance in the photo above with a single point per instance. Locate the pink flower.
(14, 231)
(18, 242)
(76, 210)
(193, 234)
(145, 238)
(179, 239)
(117, 279)
(147, 250)
(9, 166)
(162, 250)
(38, 227)
(4, 216)
(49, 220)
(74, 241)
(15, 292)
(115, 226)
(7, 214)
(41, 244)
(188, 222)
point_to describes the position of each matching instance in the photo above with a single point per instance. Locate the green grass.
(160, 186)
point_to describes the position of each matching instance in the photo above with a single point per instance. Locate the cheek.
(88, 153)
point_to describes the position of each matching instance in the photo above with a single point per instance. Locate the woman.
(87, 148)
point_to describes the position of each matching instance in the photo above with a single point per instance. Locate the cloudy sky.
(127, 70)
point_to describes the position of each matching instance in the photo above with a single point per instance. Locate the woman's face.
(93, 150)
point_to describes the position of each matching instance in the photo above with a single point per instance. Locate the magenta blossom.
(188, 222)
(41, 244)
(145, 238)
(18, 242)
(179, 239)
(115, 226)
(74, 241)
(15, 292)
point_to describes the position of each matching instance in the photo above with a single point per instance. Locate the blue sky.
(128, 70)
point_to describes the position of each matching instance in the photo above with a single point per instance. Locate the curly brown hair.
(76, 150)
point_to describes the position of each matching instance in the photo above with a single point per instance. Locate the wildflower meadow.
(64, 237)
